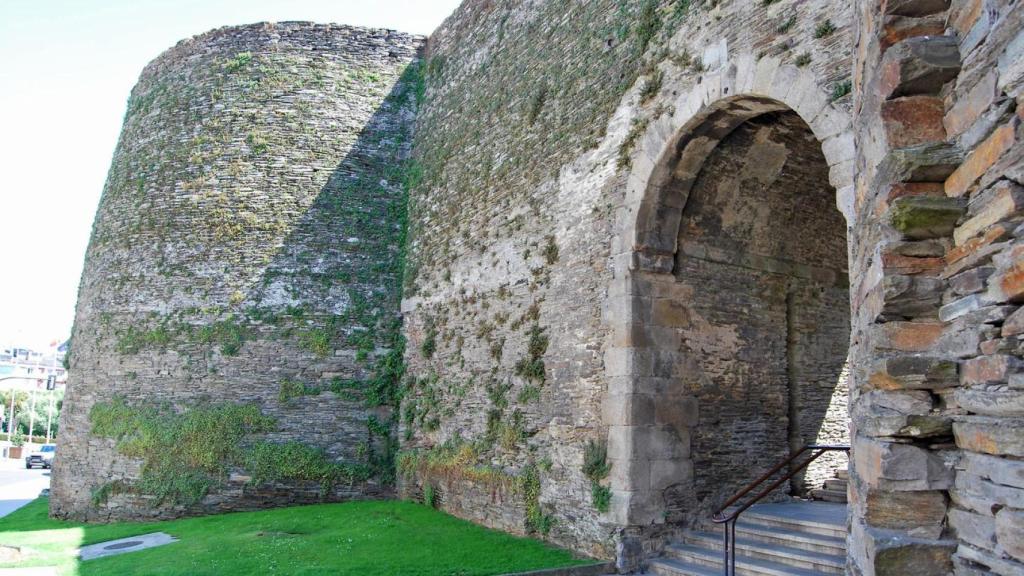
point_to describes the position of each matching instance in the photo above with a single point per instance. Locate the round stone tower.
(238, 308)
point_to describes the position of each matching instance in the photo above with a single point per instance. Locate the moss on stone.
(922, 217)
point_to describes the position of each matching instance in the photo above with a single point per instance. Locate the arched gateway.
(732, 289)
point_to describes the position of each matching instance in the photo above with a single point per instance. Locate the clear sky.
(66, 69)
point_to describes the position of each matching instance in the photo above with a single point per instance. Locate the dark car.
(44, 457)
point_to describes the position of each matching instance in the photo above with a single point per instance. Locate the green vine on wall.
(187, 454)
(596, 468)
(532, 366)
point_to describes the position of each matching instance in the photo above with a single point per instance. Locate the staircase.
(798, 538)
(834, 489)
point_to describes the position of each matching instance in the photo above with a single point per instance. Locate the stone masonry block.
(893, 553)
(919, 66)
(892, 466)
(999, 436)
(923, 217)
(913, 120)
(1009, 532)
(920, 514)
(981, 159)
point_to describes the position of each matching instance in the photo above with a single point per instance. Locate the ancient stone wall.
(243, 278)
(936, 407)
(536, 113)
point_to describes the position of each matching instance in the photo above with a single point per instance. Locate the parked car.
(43, 457)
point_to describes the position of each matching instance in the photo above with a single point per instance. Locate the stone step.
(843, 474)
(745, 566)
(772, 518)
(827, 495)
(771, 551)
(792, 538)
(673, 567)
(836, 484)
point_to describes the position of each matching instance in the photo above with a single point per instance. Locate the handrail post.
(725, 550)
(732, 552)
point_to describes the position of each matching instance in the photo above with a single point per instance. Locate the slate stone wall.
(534, 114)
(245, 250)
(936, 481)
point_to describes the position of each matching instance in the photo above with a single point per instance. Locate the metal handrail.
(720, 516)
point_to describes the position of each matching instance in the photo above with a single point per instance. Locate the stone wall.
(936, 481)
(626, 290)
(536, 114)
(760, 325)
(246, 251)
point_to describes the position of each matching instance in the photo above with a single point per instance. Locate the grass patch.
(354, 538)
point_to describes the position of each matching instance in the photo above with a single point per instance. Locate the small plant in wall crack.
(429, 495)
(429, 345)
(536, 519)
(841, 89)
(532, 366)
(596, 469)
(824, 30)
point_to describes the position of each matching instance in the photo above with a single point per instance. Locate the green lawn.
(358, 538)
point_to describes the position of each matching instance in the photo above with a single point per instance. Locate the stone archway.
(652, 419)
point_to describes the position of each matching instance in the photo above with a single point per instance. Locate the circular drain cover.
(123, 545)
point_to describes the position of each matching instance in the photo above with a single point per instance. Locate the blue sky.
(66, 69)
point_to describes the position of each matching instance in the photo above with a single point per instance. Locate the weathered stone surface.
(988, 369)
(976, 251)
(914, 372)
(965, 305)
(981, 159)
(983, 496)
(919, 66)
(979, 561)
(1002, 201)
(971, 281)
(1007, 283)
(990, 435)
(901, 467)
(913, 121)
(923, 217)
(916, 8)
(920, 514)
(911, 296)
(925, 249)
(1009, 532)
(924, 163)
(959, 339)
(702, 328)
(976, 529)
(993, 402)
(893, 553)
(971, 106)
(1014, 323)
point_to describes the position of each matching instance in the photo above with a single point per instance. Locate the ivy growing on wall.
(596, 468)
(186, 454)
